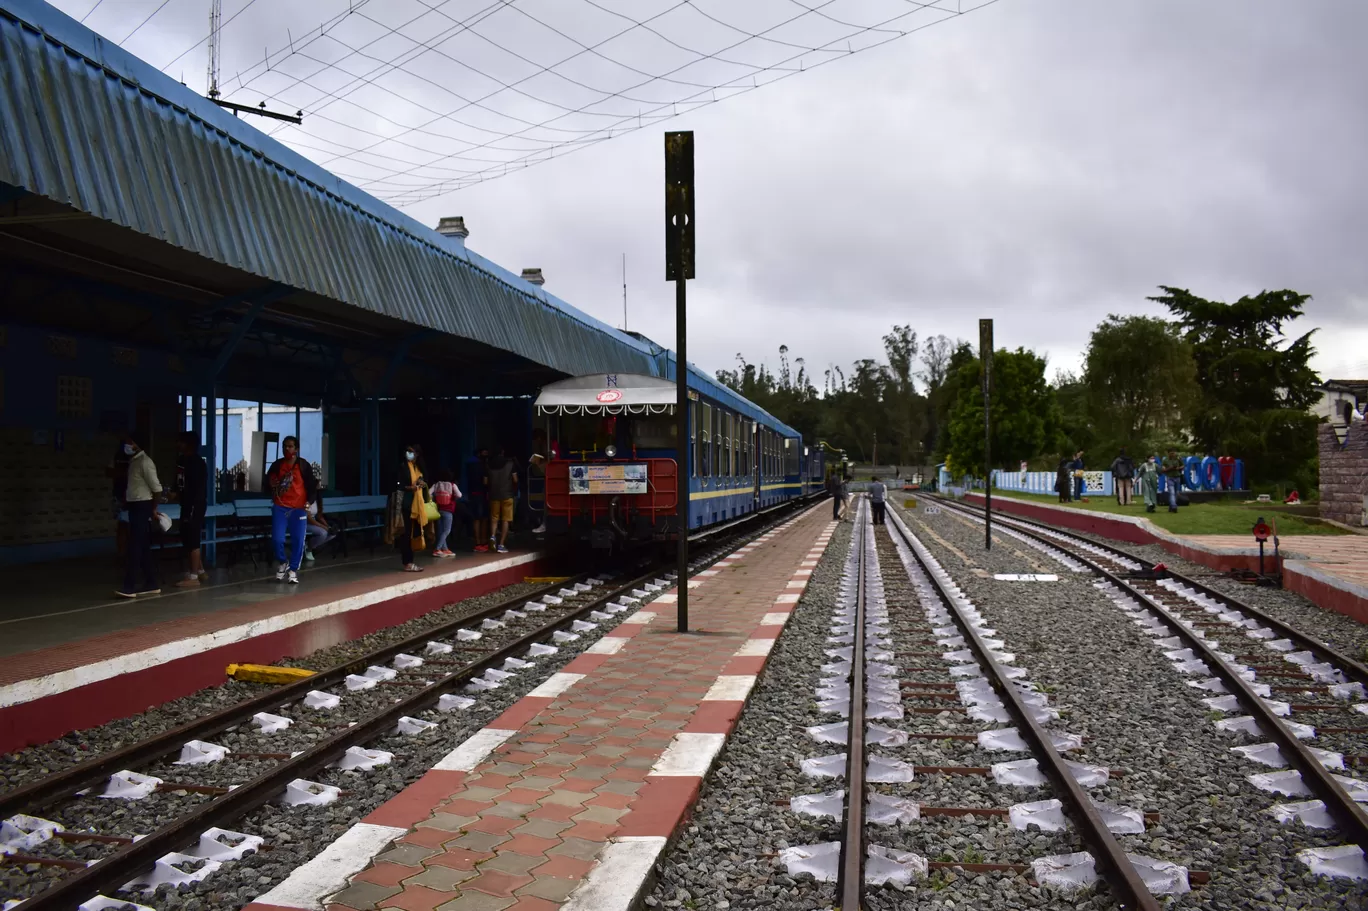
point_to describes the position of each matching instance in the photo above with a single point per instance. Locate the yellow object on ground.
(545, 580)
(909, 503)
(265, 673)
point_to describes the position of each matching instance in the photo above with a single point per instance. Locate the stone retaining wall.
(1344, 474)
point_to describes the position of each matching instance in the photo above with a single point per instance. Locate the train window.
(707, 436)
(717, 442)
(731, 444)
(654, 432)
(695, 444)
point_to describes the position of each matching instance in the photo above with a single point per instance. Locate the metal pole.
(986, 357)
(684, 449)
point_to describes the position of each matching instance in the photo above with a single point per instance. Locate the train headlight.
(610, 451)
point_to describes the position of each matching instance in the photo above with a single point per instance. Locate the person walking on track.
(1123, 471)
(293, 486)
(412, 507)
(1149, 483)
(877, 493)
(501, 480)
(141, 494)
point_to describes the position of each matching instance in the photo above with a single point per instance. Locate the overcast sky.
(1040, 162)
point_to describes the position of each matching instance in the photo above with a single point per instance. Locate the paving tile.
(591, 831)
(511, 810)
(410, 855)
(386, 874)
(531, 845)
(577, 848)
(441, 878)
(564, 798)
(477, 901)
(459, 858)
(600, 814)
(449, 822)
(532, 903)
(513, 864)
(564, 865)
(495, 882)
(479, 841)
(415, 898)
(533, 783)
(363, 896)
(552, 888)
(542, 828)
(478, 792)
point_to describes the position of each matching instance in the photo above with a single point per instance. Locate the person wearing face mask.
(413, 509)
(1148, 476)
(293, 487)
(141, 493)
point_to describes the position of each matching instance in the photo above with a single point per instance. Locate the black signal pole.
(679, 267)
(986, 357)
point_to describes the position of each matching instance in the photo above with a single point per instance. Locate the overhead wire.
(515, 140)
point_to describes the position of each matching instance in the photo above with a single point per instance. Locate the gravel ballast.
(1112, 686)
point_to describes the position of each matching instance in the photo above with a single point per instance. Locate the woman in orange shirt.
(293, 486)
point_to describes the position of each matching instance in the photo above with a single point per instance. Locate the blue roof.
(86, 124)
(725, 395)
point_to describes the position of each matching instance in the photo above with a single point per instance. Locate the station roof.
(113, 141)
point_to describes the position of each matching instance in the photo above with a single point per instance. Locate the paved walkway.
(567, 799)
(1343, 556)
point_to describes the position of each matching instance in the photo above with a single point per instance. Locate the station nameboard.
(628, 477)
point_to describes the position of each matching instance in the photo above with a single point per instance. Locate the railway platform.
(1329, 570)
(75, 658)
(567, 799)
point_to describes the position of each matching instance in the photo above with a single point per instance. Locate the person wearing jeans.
(293, 486)
(1123, 472)
(445, 494)
(1173, 478)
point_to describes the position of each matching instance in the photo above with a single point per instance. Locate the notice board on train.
(625, 477)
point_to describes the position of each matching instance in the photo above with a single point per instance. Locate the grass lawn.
(1218, 518)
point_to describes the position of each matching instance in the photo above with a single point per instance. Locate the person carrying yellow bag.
(413, 508)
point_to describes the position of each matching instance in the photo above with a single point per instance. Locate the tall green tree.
(1140, 383)
(948, 392)
(1074, 429)
(906, 406)
(1024, 411)
(1256, 384)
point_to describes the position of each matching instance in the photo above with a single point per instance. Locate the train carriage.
(614, 458)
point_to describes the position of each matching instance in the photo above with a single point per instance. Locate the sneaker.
(540, 529)
(482, 549)
(123, 594)
(293, 578)
(308, 556)
(149, 591)
(501, 549)
(189, 582)
(281, 570)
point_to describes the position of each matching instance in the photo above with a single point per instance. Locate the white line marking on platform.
(307, 886)
(706, 572)
(755, 648)
(809, 564)
(800, 584)
(671, 598)
(801, 573)
(608, 645)
(642, 617)
(689, 755)
(787, 599)
(694, 583)
(730, 688)
(556, 684)
(474, 751)
(775, 618)
(618, 878)
(22, 691)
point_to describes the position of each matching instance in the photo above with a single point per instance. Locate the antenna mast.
(215, 18)
(624, 292)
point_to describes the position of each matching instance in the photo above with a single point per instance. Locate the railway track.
(1267, 678)
(285, 745)
(877, 624)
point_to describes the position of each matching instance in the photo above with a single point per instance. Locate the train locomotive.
(611, 475)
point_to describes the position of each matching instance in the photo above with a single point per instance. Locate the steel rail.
(850, 886)
(1107, 853)
(1351, 818)
(1356, 670)
(43, 792)
(112, 871)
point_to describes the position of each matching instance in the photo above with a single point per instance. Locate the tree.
(1024, 410)
(935, 358)
(1074, 429)
(1256, 386)
(907, 408)
(1139, 380)
(953, 381)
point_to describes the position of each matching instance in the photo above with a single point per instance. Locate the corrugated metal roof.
(86, 124)
(725, 395)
